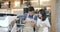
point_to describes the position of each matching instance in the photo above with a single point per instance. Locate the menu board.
(5, 4)
(6, 11)
(17, 11)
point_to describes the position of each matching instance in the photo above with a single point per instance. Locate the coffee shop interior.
(11, 12)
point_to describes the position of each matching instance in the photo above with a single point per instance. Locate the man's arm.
(24, 18)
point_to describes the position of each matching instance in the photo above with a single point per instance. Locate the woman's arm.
(38, 23)
(47, 23)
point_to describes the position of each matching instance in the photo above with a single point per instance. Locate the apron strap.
(28, 16)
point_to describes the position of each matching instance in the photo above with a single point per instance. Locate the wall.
(58, 15)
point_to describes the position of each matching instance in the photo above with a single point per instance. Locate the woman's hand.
(42, 25)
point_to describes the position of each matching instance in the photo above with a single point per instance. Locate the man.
(30, 16)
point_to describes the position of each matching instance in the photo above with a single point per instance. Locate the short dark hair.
(43, 12)
(31, 9)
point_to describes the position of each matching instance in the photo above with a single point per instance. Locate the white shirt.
(40, 22)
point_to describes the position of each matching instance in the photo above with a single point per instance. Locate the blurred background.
(14, 9)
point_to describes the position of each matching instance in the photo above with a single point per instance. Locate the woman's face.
(40, 15)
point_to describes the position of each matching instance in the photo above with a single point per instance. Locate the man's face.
(31, 13)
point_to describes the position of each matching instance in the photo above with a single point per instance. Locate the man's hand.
(33, 24)
(26, 21)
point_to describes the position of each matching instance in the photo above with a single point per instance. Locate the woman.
(42, 22)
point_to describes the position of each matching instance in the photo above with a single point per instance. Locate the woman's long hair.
(43, 13)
